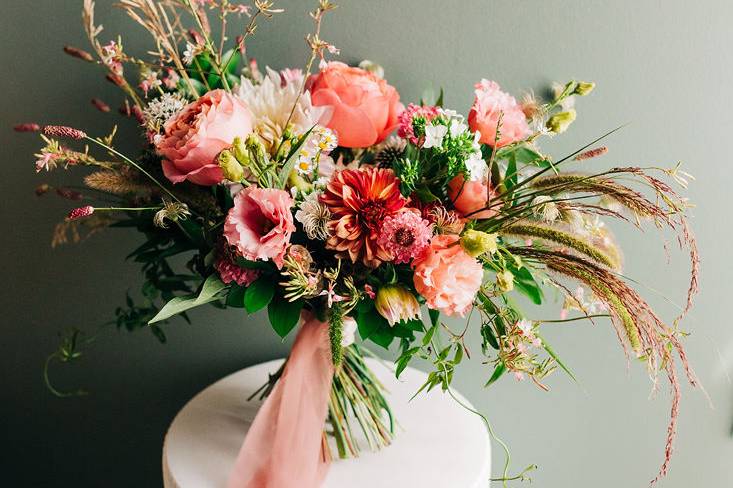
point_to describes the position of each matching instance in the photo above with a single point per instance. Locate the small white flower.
(434, 135)
(348, 332)
(545, 209)
(525, 326)
(189, 53)
(449, 113)
(161, 110)
(477, 168)
(457, 127)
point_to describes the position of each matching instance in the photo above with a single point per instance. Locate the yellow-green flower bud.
(396, 304)
(475, 243)
(257, 151)
(505, 280)
(230, 166)
(560, 122)
(297, 181)
(239, 149)
(584, 87)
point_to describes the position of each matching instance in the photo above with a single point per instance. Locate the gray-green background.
(663, 66)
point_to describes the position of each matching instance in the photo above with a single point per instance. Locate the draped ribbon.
(283, 446)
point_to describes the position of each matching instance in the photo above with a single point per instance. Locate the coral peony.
(490, 103)
(192, 140)
(447, 277)
(470, 198)
(260, 224)
(359, 201)
(365, 107)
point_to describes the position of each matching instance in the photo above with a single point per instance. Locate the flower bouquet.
(317, 195)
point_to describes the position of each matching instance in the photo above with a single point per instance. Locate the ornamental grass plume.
(64, 131)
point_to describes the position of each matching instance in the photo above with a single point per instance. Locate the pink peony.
(489, 104)
(405, 235)
(260, 224)
(447, 277)
(470, 197)
(193, 139)
(365, 107)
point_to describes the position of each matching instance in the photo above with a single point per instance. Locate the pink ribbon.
(283, 448)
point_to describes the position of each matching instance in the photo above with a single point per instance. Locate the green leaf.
(369, 321)
(383, 336)
(498, 371)
(284, 315)
(554, 356)
(434, 316)
(525, 155)
(235, 298)
(232, 58)
(210, 291)
(525, 283)
(292, 158)
(439, 101)
(259, 294)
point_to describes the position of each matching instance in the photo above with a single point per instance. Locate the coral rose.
(447, 277)
(260, 224)
(470, 197)
(490, 103)
(192, 140)
(365, 107)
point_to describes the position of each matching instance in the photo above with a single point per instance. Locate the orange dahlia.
(359, 201)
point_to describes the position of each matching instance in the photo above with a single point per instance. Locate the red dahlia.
(359, 201)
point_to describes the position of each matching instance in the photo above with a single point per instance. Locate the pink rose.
(489, 104)
(365, 107)
(193, 139)
(447, 277)
(470, 197)
(260, 224)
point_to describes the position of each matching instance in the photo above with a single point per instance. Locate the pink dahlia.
(405, 235)
(260, 224)
(491, 104)
(406, 129)
(447, 277)
(230, 272)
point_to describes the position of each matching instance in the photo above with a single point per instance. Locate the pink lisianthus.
(230, 272)
(194, 138)
(406, 129)
(260, 224)
(447, 277)
(470, 198)
(365, 107)
(405, 235)
(488, 106)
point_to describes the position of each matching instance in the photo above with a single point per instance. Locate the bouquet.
(317, 195)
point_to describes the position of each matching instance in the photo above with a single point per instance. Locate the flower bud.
(239, 149)
(583, 88)
(396, 304)
(256, 150)
(80, 213)
(230, 166)
(505, 280)
(475, 243)
(297, 181)
(560, 122)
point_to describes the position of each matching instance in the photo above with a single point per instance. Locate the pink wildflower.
(405, 235)
(80, 213)
(231, 273)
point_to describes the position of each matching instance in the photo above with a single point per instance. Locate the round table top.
(437, 443)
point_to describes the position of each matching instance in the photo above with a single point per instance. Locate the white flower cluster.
(162, 109)
(436, 132)
(320, 143)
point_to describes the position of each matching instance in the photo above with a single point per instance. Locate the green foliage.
(259, 294)
(211, 290)
(284, 315)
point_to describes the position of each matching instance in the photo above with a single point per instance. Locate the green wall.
(665, 67)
